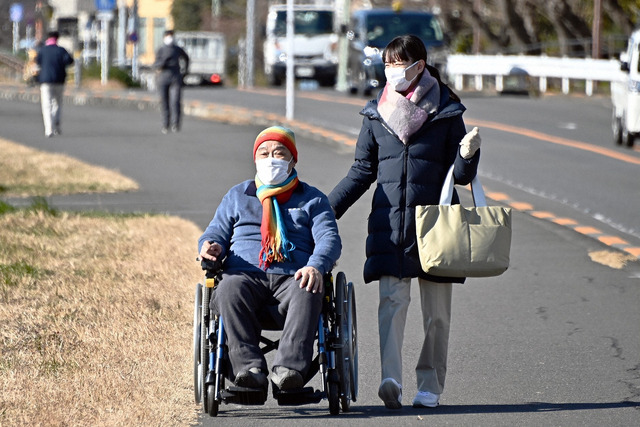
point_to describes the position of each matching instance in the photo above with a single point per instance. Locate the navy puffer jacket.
(407, 175)
(53, 61)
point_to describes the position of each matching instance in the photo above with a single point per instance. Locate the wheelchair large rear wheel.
(353, 323)
(197, 361)
(347, 348)
(205, 347)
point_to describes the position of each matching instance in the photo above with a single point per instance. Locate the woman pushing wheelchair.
(278, 237)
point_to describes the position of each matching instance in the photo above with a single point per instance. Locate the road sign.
(15, 12)
(105, 4)
(105, 15)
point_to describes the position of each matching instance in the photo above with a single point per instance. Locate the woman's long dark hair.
(409, 48)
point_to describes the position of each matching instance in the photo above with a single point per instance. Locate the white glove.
(470, 143)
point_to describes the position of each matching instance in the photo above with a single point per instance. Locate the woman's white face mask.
(272, 171)
(396, 77)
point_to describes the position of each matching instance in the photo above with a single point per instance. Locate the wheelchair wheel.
(205, 347)
(197, 361)
(334, 398)
(353, 322)
(347, 341)
(213, 404)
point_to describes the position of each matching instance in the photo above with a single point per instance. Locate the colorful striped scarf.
(275, 245)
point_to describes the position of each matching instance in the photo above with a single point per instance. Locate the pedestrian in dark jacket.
(53, 61)
(172, 62)
(410, 137)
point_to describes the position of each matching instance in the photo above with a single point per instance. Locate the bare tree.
(515, 13)
(618, 16)
(568, 26)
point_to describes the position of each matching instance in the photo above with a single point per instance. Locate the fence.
(537, 67)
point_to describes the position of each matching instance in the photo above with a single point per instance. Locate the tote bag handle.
(476, 190)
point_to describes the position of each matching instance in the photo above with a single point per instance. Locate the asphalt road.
(553, 341)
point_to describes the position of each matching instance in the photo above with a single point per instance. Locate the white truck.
(207, 56)
(315, 49)
(625, 95)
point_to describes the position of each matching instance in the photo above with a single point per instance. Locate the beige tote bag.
(454, 241)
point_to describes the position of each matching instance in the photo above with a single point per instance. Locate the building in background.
(154, 17)
(79, 29)
(71, 18)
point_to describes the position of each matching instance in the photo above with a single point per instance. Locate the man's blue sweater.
(309, 220)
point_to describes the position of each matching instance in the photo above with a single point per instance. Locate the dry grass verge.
(96, 319)
(25, 171)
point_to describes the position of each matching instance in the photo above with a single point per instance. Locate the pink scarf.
(405, 115)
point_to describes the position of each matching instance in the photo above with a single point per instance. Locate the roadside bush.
(93, 71)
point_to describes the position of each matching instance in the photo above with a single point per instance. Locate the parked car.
(371, 30)
(625, 95)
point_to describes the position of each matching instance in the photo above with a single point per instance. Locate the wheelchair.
(336, 358)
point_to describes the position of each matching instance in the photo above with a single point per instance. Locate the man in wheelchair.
(278, 237)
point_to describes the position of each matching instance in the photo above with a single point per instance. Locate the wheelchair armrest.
(209, 265)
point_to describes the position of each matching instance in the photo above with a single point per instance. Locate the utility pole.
(477, 6)
(290, 88)
(251, 7)
(342, 10)
(122, 32)
(215, 14)
(597, 27)
(133, 35)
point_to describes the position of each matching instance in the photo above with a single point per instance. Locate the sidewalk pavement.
(144, 100)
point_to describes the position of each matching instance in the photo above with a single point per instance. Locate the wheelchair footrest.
(244, 395)
(299, 396)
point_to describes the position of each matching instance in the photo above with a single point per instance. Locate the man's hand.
(311, 279)
(210, 251)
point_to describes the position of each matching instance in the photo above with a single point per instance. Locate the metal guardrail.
(13, 63)
(540, 67)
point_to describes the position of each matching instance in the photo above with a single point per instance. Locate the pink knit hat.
(280, 134)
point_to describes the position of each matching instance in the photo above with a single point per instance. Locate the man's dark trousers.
(170, 87)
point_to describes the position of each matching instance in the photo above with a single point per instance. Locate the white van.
(207, 56)
(625, 95)
(315, 49)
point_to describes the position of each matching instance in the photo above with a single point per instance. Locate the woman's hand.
(470, 143)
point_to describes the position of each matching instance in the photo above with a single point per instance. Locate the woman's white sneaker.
(425, 399)
(391, 393)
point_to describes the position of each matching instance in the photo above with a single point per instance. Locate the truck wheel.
(627, 137)
(630, 140)
(274, 80)
(616, 128)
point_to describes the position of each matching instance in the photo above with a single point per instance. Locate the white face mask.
(272, 171)
(168, 40)
(396, 77)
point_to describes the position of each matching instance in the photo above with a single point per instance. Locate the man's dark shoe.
(286, 379)
(251, 378)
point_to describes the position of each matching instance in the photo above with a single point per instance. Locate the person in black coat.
(52, 61)
(410, 137)
(173, 63)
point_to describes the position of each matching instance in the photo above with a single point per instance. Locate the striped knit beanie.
(280, 134)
